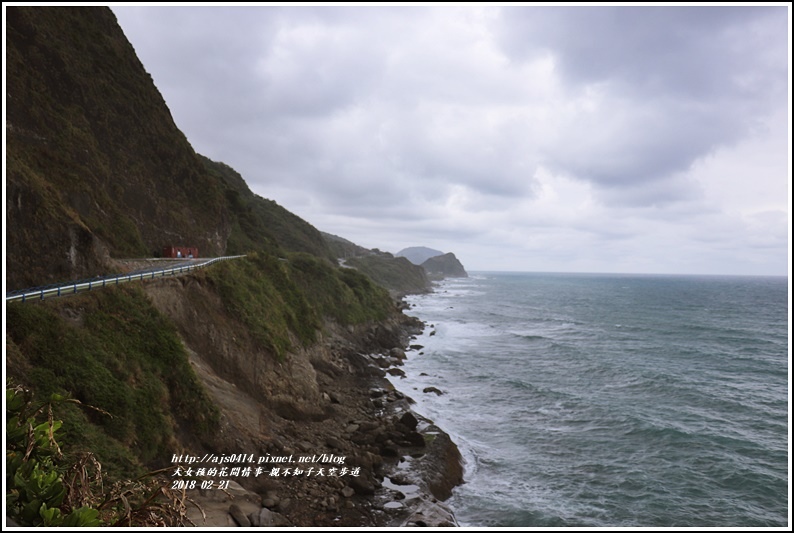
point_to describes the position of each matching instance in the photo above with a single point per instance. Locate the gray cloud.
(681, 82)
(694, 52)
(576, 137)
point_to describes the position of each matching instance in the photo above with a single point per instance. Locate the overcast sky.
(570, 139)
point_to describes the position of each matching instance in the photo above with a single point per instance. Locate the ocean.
(610, 400)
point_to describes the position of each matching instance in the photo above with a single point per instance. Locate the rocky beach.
(405, 465)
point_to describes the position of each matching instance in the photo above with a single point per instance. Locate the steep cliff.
(95, 164)
(275, 353)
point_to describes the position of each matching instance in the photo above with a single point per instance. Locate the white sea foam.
(577, 407)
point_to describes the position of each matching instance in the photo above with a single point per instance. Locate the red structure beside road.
(180, 252)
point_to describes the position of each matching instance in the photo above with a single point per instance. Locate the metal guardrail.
(54, 291)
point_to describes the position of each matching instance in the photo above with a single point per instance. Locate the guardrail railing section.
(73, 287)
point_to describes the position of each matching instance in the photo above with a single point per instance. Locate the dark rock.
(443, 468)
(389, 450)
(239, 516)
(399, 479)
(363, 438)
(266, 518)
(397, 353)
(432, 389)
(409, 420)
(395, 434)
(368, 426)
(279, 520)
(430, 514)
(396, 372)
(361, 485)
(334, 443)
(415, 439)
(375, 459)
(379, 434)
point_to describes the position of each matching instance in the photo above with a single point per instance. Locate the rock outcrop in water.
(444, 266)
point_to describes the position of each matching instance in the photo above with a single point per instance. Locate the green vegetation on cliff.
(284, 298)
(397, 274)
(97, 169)
(95, 163)
(112, 350)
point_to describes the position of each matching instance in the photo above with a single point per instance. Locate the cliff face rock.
(444, 266)
(97, 168)
(329, 398)
(95, 163)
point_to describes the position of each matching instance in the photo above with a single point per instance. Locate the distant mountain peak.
(418, 254)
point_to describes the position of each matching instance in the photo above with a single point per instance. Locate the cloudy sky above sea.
(564, 138)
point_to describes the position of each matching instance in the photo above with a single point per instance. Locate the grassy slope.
(94, 157)
(112, 350)
(395, 273)
(283, 298)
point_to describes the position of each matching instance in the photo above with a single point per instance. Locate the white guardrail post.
(77, 286)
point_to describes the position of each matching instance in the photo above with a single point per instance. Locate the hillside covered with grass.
(96, 170)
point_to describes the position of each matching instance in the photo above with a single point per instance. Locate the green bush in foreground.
(45, 490)
(36, 493)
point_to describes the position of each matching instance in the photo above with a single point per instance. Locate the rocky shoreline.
(405, 466)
